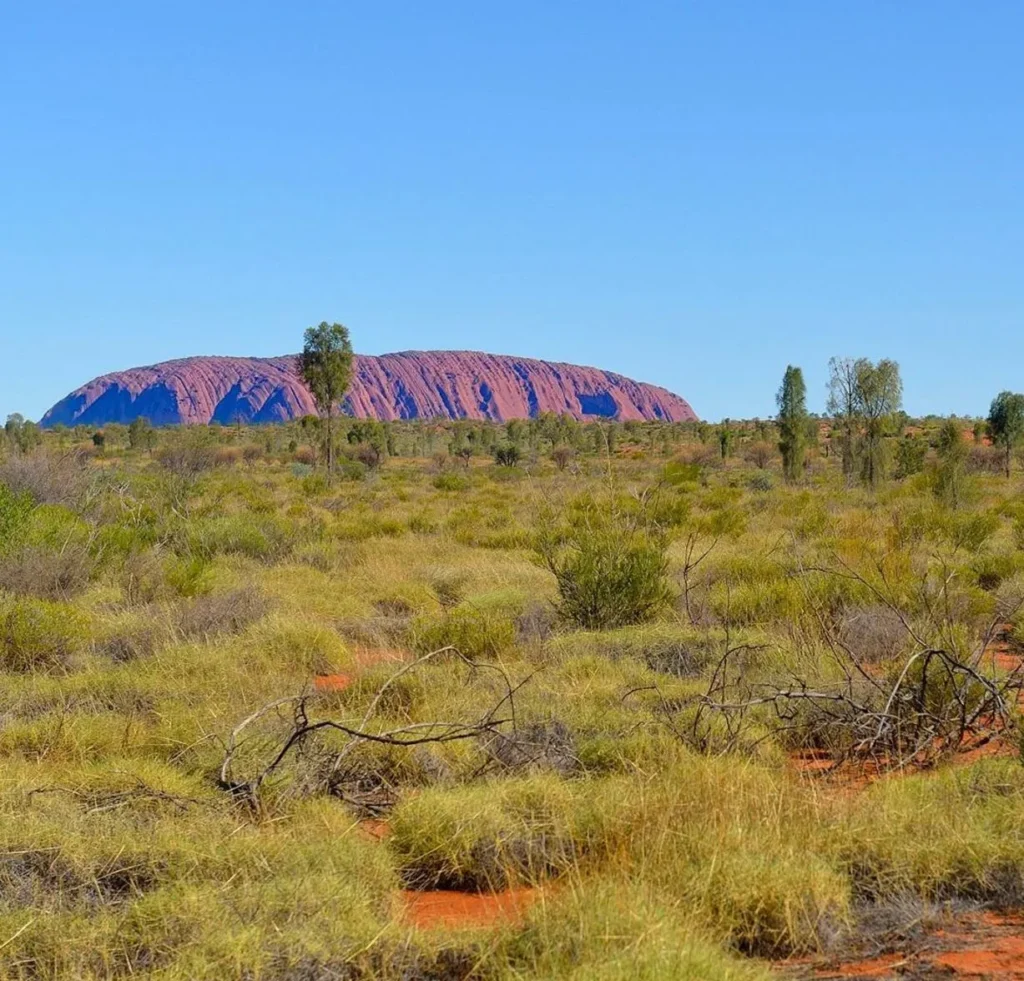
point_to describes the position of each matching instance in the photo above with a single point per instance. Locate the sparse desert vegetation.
(700, 705)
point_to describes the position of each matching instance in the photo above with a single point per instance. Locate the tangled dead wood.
(494, 723)
(929, 703)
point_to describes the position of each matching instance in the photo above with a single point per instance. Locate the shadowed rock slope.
(410, 385)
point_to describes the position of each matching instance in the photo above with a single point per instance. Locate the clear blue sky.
(693, 194)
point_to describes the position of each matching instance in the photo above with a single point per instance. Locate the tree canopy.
(792, 402)
(326, 367)
(1006, 423)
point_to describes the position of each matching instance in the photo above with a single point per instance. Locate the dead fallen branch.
(301, 732)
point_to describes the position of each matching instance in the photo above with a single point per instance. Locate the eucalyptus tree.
(1006, 423)
(326, 368)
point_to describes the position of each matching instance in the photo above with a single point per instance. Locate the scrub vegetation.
(718, 694)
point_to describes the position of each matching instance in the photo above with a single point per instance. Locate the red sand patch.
(447, 908)
(1004, 959)
(1003, 653)
(991, 947)
(875, 967)
(332, 682)
(364, 657)
(376, 828)
(974, 946)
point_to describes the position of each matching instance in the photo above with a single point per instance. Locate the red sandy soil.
(1003, 652)
(364, 657)
(447, 908)
(970, 947)
(375, 828)
(874, 967)
(332, 682)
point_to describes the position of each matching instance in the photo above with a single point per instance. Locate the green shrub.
(488, 836)
(959, 833)
(615, 929)
(684, 652)
(508, 455)
(354, 470)
(14, 513)
(259, 537)
(472, 633)
(189, 576)
(608, 575)
(423, 523)
(36, 635)
(315, 485)
(449, 481)
(992, 569)
(449, 585)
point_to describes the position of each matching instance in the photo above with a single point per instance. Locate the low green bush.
(956, 834)
(664, 647)
(256, 536)
(452, 482)
(608, 575)
(38, 635)
(473, 633)
(488, 836)
(15, 509)
(614, 929)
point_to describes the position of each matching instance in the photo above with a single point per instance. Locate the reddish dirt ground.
(970, 947)
(446, 908)
(1003, 652)
(332, 682)
(375, 828)
(364, 657)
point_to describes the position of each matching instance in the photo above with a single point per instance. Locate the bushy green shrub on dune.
(608, 574)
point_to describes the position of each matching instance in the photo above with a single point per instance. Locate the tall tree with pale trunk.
(863, 398)
(1006, 423)
(326, 368)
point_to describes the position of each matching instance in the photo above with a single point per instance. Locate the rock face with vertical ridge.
(409, 385)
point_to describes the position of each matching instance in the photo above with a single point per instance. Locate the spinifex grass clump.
(38, 635)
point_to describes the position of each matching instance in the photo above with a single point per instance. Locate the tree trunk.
(330, 444)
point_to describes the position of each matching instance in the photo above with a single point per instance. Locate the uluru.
(407, 385)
